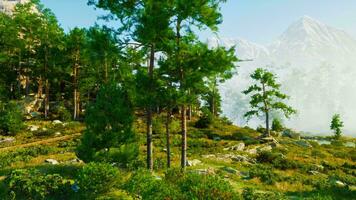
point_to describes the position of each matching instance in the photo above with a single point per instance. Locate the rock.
(339, 183)
(238, 147)
(269, 140)
(303, 143)
(33, 128)
(44, 129)
(5, 140)
(55, 122)
(265, 148)
(230, 170)
(194, 162)
(165, 150)
(217, 138)
(209, 156)
(313, 172)
(76, 160)
(57, 133)
(52, 161)
(318, 167)
(209, 171)
(239, 158)
(157, 177)
(251, 151)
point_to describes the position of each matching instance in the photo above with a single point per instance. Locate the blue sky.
(259, 21)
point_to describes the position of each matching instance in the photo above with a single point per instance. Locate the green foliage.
(142, 183)
(277, 160)
(336, 125)
(109, 125)
(32, 184)
(205, 120)
(265, 173)
(266, 96)
(63, 113)
(24, 154)
(11, 118)
(97, 178)
(277, 125)
(252, 194)
(205, 187)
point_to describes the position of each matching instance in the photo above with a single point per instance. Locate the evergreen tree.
(75, 47)
(336, 125)
(109, 126)
(266, 96)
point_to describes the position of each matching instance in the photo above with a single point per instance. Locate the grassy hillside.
(283, 169)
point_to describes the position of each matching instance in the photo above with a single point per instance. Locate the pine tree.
(336, 125)
(266, 97)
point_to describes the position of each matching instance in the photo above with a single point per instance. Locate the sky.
(259, 21)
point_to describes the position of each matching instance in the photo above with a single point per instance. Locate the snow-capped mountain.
(316, 65)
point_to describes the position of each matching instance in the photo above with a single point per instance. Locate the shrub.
(264, 173)
(205, 187)
(148, 187)
(251, 194)
(278, 160)
(205, 120)
(31, 184)
(109, 124)
(97, 178)
(11, 118)
(277, 125)
(63, 113)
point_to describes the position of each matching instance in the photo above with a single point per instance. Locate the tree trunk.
(184, 136)
(168, 121)
(46, 98)
(267, 134)
(190, 112)
(267, 125)
(149, 113)
(75, 92)
(40, 87)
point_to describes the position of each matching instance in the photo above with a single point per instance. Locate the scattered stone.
(209, 156)
(5, 140)
(239, 158)
(238, 147)
(52, 161)
(57, 133)
(209, 171)
(76, 160)
(271, 140)
(44, 129)
(157, 177)
(303, 143)
(33, 128)
(265, 148)
(230, 170)
(318, 167)
(340, 184)
(313, 172)
(194, 162)
(55, 122)
(251, 151)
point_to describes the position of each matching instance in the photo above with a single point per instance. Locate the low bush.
(11, 118)
(205, 120)
(97, 178)
(277, 160)
(149, 187)
(252, 194)
(264, 173)
(205, 187)
(31, 184)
